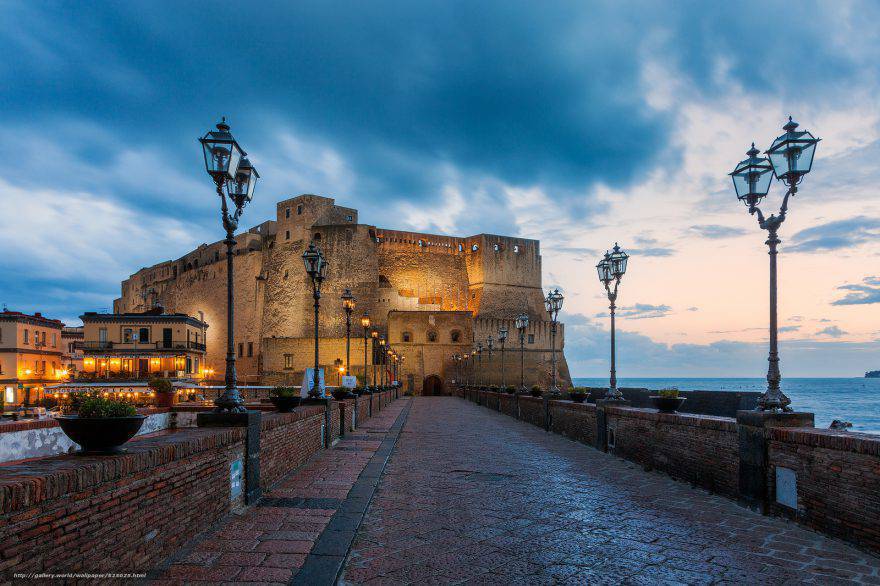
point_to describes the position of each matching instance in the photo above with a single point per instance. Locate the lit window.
(288, 361)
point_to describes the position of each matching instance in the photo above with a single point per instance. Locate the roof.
(36, 319)
(153, 315)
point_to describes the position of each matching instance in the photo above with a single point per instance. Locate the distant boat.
(872, 374)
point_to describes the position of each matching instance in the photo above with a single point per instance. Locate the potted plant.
(493, 388)
(285, 399)
(536, 391)
(578, 394)
(102, 425)
(510, 390)
(342, 393)
(164, 391)
(667, 400)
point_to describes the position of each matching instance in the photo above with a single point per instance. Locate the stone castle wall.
(490, 278)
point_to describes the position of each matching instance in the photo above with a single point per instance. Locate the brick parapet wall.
(508, 405)
(837, 472)
(129, 512)
(838, 481)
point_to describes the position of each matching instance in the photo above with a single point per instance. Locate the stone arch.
(432, 386)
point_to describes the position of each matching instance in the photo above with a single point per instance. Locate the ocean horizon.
(856, 399)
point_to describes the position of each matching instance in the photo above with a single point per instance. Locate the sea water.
(856, 400)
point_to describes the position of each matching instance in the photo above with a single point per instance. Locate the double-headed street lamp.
(502, 338)
(227, 164)
(789, 158)
(611, 269)
(348, 303)
(522, 323)
(553, 303)
(316, 269)
(365, 323)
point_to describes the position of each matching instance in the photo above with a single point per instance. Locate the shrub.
(285, 392)
(161, 385)
(536, 388)
(670, 393)
(101, 408)
(494, 388)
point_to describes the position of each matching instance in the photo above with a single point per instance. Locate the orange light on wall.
(115, 364)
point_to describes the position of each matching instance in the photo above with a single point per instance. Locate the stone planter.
(285, 404)
(342, 394)
(667, 404)
(100, 435)
(578, 397)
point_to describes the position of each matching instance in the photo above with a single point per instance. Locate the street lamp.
(226, 163)
(456, 360)
(348, 303)
(374, 335)
(611, 269)
(382, 360)
(479, 376)
(522, 322)
(553, 303)
(316, 268)
(490, 344)
(790, 158)
(474, 366)
(502, 338)
(365, 323)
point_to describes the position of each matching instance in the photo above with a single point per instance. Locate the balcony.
(93, 346)
(140, 346)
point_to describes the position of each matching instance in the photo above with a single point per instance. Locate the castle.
(431, 296)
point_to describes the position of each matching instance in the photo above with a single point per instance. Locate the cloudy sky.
(577, 123)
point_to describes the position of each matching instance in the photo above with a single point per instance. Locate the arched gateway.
(432, 386)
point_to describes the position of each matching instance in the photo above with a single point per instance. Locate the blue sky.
(578, 123)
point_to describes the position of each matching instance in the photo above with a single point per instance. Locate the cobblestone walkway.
(472, 496)
(271, 541)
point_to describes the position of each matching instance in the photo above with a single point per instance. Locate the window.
(432, 336)
(516, 248)
(287, 213)
(144, 335)
(456, 336)
(54, 340)
(26, 338)
(102, 334)
(288, 361)
(44, 338)
(407, 337)
(250, 349)
(475, 248)
(460, 248)
(216, 255)
(196, 365)
(287, 234)
(317, 236)
(349, 218)
(531, 338)
(299, 210)
(496, 247)
(126, 336)
(240, 349)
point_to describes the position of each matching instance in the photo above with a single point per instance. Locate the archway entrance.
(432, 386)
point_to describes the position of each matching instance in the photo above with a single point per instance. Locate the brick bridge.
(439, 490)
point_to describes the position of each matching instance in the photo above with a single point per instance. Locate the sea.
(856, 400)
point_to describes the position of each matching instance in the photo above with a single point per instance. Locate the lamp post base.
(614, 395)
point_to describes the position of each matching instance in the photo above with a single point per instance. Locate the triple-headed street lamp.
(790, 157)
(553, 303)
(227, 164)
(522, 323)
(316, 268)
(611, 269)
(348, 303)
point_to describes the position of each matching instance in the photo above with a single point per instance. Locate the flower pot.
(285, 404)
(165, 399)
(100, 435)
(578, 397)
(667, 404)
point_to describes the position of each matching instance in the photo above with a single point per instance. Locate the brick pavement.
(271, 541)
(472, 496)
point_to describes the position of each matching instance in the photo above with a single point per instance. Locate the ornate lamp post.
(790, 158)
(490, 345)
(465, 373)
(365, 323)
(611, 269)
(382, 360)
(474, 366)
(522, 322)
(456, 360)
(348, 303)
(375, 337)
(316, 268)
(227, 164)
(480, 364)
(502, 338)
(553, 304)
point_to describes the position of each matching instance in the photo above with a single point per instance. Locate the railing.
(92, 345)
(132, 345)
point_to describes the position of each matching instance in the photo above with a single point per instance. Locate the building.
(432, 296)
(72, 349)
(142, 345)
(30, 356)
